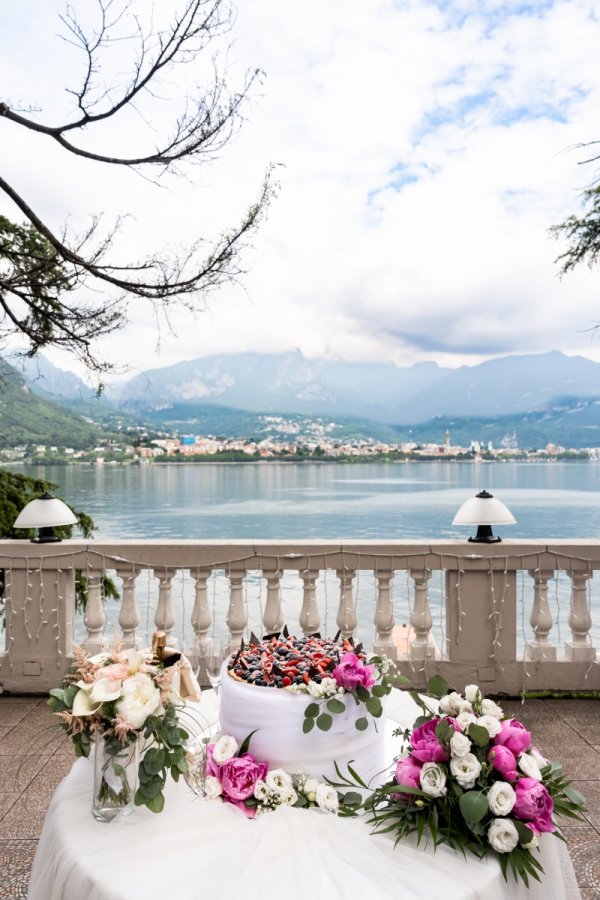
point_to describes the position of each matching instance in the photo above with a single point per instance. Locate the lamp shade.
(45, 512)
(484, 510)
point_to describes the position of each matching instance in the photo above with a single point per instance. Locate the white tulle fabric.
(198, 848)
(278, 716)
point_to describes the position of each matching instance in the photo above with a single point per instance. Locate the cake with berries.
(266, 687)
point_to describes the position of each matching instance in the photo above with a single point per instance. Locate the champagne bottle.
(159, 642)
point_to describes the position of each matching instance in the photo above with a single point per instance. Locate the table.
(196, 847)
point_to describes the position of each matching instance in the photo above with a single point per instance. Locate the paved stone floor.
(34, 757)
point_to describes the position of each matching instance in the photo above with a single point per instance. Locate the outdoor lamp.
(484, 510)
(43, 514)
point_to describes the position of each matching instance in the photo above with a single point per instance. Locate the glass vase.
(115, 779)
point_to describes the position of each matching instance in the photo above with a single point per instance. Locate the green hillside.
(26, 418)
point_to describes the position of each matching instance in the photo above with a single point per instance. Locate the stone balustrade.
(472, 612)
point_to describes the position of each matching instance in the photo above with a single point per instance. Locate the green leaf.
(324, 722)
(379, 690)
(525, 834)
(352, 799)
(575, 797)
(246, 743)
(362, 693)
(437, 686)
(473, 806)
(335, 706)
(153, 761)
(59, 694)
(308, 725)
(374, 706)
(312, 710)
(156, 804)
(361, 724)
(356, 776)
(478, 734)
(444, 731)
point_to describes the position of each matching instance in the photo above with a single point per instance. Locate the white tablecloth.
(198, 846)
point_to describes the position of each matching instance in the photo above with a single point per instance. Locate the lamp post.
(44, 514)
(484, 510)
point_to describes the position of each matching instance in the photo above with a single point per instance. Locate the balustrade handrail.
(478, 606)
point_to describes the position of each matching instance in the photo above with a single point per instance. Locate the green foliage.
(582, 232)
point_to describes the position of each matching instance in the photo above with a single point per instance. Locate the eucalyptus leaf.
(308, 725)
(478, 734)
(311, 711)
(324, 722)
(437, 686)
(374, 706)
(335, 706)
(473, 806)
(361, 724)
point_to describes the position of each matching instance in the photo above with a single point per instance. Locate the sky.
(423, 149)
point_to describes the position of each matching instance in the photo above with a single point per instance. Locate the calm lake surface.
(327, 500)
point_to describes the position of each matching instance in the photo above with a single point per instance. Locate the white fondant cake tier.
(277, 716)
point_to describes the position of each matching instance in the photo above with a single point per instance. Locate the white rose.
(529, 766)
(433, 779)
(278, 780)
(491, 725)
(472, 693)
(212, 787)
(225, 748)
(288, 797)
(453, 704)
(460, 744)
(140, 699)
(537, 756)
(261, 790)
(502, 835)
(465, 719)
(489, 708)
(326, 797)
(466, 769)
(501, 798)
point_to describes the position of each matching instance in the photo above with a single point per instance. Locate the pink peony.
(239, 775)
(514, 736)
(211, 767)
(352, 672)
(503, 760)
(408, 772)
(425, 745)
(114, 672)
(534, 805)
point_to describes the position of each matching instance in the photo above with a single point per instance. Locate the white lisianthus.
(501, 798)
(225, 748)
(433, 779)
(491, 725)
(502, 835)
(140, 699)
(278, 780)
(288, 797)
(466, 770)
(453, 704)
(261, 790)
(460, 744)
(489, 708)
(326, 797)
(309, 788)
(212, 787)
(538, 758)
(465, 719)
(472, 693)
(529, 766)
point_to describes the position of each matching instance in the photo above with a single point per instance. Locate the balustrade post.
(201, 616)
(95, 618)
(310, 621)
(580, 648)
(272, 616)
(237, 617)
(541, 649)
(129, 615)
(421, 646)
(384, 617)
(346, 616)
(164, 618)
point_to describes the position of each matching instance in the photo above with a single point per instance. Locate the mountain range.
(530, 399)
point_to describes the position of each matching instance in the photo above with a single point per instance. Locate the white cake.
(277, 716)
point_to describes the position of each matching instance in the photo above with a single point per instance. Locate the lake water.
(551, 500)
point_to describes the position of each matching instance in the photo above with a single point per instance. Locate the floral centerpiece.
(223, 771)
(473, 779)
(123, 701)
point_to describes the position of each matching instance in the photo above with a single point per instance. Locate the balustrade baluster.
(346, 617)
(541, 649)
(237, 617)
(201, 616)
(164, 618)
(310, 621)
(421, 646)
(272, 616)
(384, 617)
(129, 616)
(95, 618)
(580, 648)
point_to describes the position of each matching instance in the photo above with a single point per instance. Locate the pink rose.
(352, 672)
(425, 745)
(534, 805)
(514, 736)
(408, 772)
(503, 760)
(114, 672)
(239, 775)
